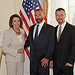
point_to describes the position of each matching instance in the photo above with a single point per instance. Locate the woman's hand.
(20, 51)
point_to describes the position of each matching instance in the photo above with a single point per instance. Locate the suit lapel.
(56, 32)
(15, 36)
(64, 32)
(42, 32)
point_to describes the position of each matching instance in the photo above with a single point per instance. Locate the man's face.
(39, 16)
(60, 17)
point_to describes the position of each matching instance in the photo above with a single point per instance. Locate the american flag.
(27, 14)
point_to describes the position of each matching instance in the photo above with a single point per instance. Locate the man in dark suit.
(64, 52)
(41, 47)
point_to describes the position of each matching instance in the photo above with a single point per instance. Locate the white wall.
(53, 5)
(7, 8)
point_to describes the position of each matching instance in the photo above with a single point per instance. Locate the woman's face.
(16, 22)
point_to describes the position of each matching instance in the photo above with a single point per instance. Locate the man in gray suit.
(64, 52)
(41, 47)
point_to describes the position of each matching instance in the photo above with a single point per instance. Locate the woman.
(13, 46)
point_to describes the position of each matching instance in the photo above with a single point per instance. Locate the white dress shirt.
(62, 28)
(39, 28)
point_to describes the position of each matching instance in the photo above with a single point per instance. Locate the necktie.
(59, 33)
(36, 34)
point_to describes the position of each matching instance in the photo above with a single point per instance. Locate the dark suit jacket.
(65, 49)
(44, 45)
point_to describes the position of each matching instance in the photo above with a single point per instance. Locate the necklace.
(17, 32)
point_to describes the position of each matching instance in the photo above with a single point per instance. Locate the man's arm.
(27, 42)
(72, 50)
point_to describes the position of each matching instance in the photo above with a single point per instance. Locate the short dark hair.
(38, 10)
(59, 9)
(11, 19)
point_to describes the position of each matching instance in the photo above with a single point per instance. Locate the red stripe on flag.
(29, 18)
(22, 27)
(32, 18)
(27, 52)
(25, 35)
(45, 19)
(24, 20)
(40, 7)
(34, 9)
(24, 32)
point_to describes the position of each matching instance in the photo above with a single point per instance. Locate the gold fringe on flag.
(45, 7)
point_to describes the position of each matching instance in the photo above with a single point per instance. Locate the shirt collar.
(63, 25)
(41, 24)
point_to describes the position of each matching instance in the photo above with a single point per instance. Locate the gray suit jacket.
(11, 44)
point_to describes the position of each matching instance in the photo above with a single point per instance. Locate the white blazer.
(11, 44)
